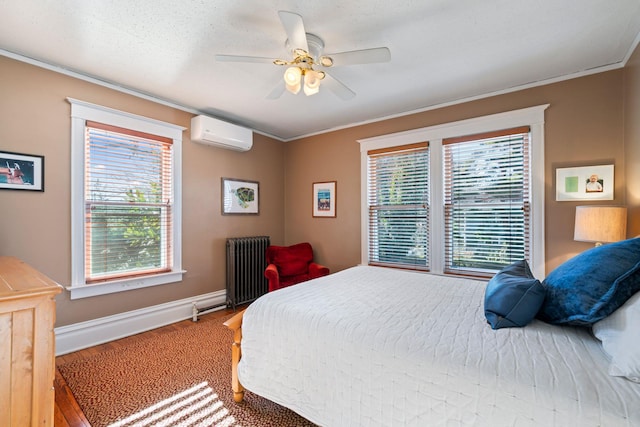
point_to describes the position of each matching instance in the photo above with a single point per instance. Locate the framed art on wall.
(240, 197)
(21, 171)
(584, 183)
(324, 199)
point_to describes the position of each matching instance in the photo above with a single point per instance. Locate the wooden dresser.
(27, 342)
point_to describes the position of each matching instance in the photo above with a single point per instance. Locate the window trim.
(532, 117)
(81, 112)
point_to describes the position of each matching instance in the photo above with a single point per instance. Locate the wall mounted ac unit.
(210, 131)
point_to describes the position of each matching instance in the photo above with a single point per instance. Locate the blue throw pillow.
(512, 297)
(593, 284)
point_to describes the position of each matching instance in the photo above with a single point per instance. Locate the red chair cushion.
(291, 260)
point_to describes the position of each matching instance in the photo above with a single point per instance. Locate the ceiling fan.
(307, 54)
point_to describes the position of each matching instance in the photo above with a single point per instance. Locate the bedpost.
(235, 324)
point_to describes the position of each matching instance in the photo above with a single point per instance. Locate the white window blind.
(128, 203)
(486, 201)
(398, 202)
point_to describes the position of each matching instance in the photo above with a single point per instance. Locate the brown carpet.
(180, 378)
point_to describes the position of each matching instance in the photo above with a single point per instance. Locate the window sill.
(85, 291)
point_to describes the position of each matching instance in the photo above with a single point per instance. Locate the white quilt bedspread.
(372, 346)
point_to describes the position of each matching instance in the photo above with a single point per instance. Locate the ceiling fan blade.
(277, 91)
(294, 27)
(365, 56)
(337, 87)
(240, 58)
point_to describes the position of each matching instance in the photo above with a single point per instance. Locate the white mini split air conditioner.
(210, 131)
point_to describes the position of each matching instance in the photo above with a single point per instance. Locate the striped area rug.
(180, 378)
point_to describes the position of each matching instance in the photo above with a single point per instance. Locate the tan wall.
(583, 126)
(632, 141)
(35, 119)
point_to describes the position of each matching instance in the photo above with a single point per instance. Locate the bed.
(377, 346)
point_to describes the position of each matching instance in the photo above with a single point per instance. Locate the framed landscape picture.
(324, 199)
(240, 197)
(21, 171)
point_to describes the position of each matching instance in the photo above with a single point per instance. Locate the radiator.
(246, 263)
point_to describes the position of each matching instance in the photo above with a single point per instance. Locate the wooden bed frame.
(235, 324)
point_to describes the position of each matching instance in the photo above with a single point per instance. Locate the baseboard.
(82, 335)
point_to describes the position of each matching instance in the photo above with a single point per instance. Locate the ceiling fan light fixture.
(307, 50)
(311, 82)
(312, 79)
(294, 89)
(293, 79)
(309, 90)
(293, 76)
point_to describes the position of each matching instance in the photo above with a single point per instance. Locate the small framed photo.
(21, 171)
(584, 183)
(240, 197)
(324, 199)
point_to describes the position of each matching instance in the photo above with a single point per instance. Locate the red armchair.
(288, 265)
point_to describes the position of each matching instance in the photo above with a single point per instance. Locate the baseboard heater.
(245, 280)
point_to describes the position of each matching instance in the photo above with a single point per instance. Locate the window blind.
(486, 201)
(128, 203)
(398, 203)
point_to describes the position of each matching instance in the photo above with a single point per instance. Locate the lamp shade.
(293, 76)
(293, 79)
(311, 82)
(600, 224)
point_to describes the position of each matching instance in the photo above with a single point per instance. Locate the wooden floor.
(67, 412)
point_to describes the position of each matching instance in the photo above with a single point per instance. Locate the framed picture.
(584, 183)
(240, 197)
(324, 199)
(21, 171)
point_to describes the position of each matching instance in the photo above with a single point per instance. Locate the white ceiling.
(442, 51)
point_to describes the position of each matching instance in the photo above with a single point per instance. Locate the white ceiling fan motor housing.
(315, 44)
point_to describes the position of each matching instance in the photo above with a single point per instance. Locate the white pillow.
(619, 333)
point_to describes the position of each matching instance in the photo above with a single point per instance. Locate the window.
(486, 201)
(398, 197)
(433, 200)
(126, 204)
